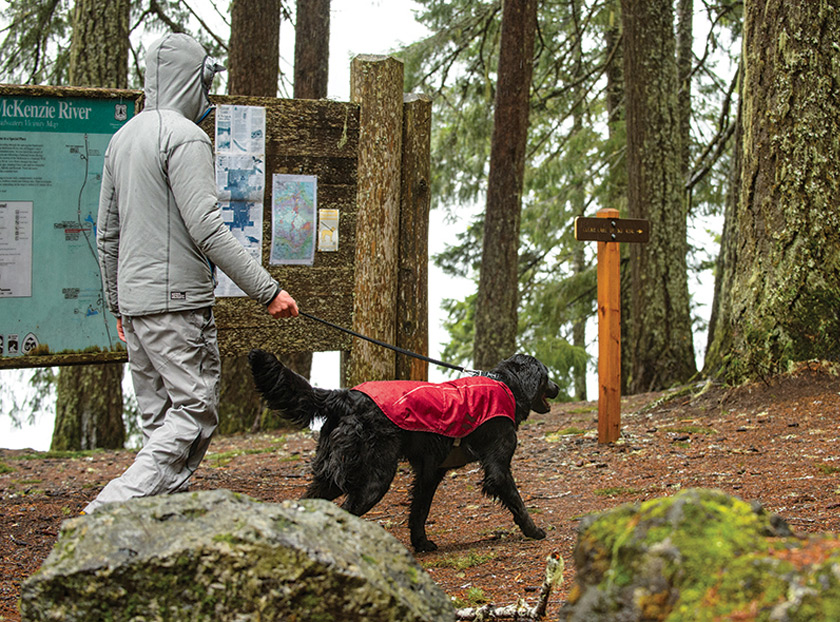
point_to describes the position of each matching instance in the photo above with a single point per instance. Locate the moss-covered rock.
(701, 555)
(221, 556)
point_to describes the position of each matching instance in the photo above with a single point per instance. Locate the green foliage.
(35, 47)
(36, 42)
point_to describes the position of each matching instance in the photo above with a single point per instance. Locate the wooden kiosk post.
(609, 230)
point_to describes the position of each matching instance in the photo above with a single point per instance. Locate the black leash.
(391, 347)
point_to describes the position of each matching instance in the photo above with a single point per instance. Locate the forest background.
(631, 105)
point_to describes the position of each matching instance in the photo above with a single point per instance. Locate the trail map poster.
(51, 156)
(294, 203)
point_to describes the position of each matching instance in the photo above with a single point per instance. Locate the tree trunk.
(579, 205)
(254, 55)
(312, 49)
(685, 61)
(661, 349)
(89, 399)
(312, 69)
(99, 44)
(496, 316)
(253, 66)
(784, 270)
(89, 409)
(725, 263)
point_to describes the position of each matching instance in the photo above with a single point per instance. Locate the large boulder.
(221, 556)
(701, 555)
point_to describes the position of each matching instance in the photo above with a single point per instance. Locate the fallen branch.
(520, 611)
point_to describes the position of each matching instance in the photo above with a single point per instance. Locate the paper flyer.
(240, 180)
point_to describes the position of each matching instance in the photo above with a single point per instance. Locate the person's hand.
(120, 331)
(283, 305)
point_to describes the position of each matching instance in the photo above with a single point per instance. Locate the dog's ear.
(530, 373)
(525, 376)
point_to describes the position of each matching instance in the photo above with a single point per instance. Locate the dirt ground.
(775, 442)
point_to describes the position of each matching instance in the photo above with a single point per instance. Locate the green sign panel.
(51, 156)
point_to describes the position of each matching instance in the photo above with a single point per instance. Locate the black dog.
(359, 446)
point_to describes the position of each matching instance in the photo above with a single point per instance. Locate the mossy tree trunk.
(89, 402)
(782, 276)
(498, 291)
(660, 347)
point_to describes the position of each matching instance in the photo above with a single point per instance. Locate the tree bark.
(579, 205)
(89, 408)
(89, 399)
(496, 303)
(725, 262)
(376, 84)
(99, 44)
(312, 67)
(661, 349)
(784, 267)
(413, 253)
(253, 66)
(685, 61)
(254, 55)
(312, 49)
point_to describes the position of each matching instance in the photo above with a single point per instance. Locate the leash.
(422, 357)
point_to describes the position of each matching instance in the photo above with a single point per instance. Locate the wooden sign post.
(609, 230)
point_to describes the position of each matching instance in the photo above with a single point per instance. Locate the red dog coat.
(453, 409)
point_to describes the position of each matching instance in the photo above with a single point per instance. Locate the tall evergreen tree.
(253, 66)
(781, 277)
(660, 346)
(311, 73)
(312, 49)
(496, 303)
(89, 403)
(254, 52)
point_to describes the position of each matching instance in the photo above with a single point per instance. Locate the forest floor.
(776, 442)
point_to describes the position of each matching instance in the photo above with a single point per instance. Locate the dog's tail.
(284, 390)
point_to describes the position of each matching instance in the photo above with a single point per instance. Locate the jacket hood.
(175, 69)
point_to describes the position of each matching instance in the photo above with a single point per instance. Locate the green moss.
(60, 455)
(224, 457)
(554, 437)
(461, 562)
(828, 469)
(689, 429)
(616, 491)
(5, 468)
(705, 535)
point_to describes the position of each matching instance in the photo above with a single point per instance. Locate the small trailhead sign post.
(609, 231)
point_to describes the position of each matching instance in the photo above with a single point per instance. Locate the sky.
(351, 34)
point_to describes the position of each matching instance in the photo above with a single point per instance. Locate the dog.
(359, 446)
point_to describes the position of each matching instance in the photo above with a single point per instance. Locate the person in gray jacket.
(159, 235)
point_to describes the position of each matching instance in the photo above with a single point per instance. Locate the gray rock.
(221, 556)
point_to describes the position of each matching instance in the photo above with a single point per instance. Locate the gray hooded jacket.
(159, 225)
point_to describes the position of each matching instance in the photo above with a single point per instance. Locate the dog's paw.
(424, 546)
(536, 533)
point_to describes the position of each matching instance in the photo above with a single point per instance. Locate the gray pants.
(175, 367)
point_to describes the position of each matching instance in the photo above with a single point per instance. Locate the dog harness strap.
(454, 409)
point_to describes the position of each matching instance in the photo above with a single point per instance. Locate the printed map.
(293, 209)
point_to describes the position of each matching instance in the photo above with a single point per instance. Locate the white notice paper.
(16, 249)
(240, 180)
